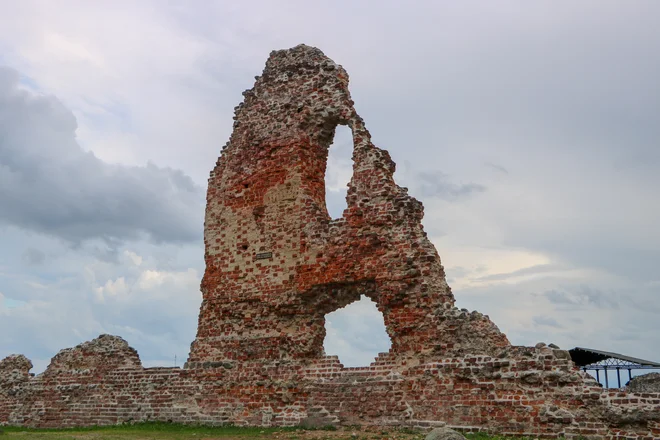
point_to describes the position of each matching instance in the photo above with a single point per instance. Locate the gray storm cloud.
(50, 185)
(437, 185)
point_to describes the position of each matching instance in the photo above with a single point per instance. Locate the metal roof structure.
(598, 360)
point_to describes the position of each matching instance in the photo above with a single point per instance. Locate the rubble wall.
(645, 383)
(525, 391)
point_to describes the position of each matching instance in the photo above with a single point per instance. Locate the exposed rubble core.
(276, 264)
(14, 370)
(646, 383)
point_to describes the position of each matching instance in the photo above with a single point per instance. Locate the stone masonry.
(646, 383)
(276, 264)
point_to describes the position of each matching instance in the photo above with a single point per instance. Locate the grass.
(157, 427)
(143, 431)
(174, 431)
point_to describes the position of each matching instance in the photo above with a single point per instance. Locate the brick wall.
(525, 391)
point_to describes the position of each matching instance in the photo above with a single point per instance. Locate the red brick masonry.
(276, 264)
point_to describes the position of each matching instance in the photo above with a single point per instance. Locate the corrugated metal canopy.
(587, 356)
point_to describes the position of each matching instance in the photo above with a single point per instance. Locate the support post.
(607, 381)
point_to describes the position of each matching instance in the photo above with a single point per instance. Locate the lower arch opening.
(356, 333)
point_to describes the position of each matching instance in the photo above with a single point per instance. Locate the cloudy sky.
(530, 130)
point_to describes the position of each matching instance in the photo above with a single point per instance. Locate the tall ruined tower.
(276, 263)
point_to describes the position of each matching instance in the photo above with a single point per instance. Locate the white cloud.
(153, 305)
(135, 258)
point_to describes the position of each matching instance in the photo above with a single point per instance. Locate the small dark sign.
(264, 255)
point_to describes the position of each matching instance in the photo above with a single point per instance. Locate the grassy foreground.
(170, 431)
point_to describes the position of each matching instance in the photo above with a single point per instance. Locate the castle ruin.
(276, 264)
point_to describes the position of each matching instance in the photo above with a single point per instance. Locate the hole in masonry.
(338, 171)
(356, 333)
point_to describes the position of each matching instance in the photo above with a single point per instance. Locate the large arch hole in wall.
(338, 171)
(356, 333)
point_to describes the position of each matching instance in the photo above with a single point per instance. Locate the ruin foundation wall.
(530, 391)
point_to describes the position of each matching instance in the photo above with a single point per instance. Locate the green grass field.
(168, 431)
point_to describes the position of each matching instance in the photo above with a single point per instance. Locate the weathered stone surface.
(276, 264)
(444, 434)
(104, 353)
(646, 383)
(14, 369)
(266, 198)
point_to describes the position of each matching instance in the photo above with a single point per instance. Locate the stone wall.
(276, 264)
(646, 383)
(524, 391)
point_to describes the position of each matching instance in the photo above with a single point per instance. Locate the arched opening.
(356, 333)
(338, 171)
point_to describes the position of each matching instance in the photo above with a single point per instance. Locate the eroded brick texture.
(646, 383)
(267, 196)
(258, 357)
